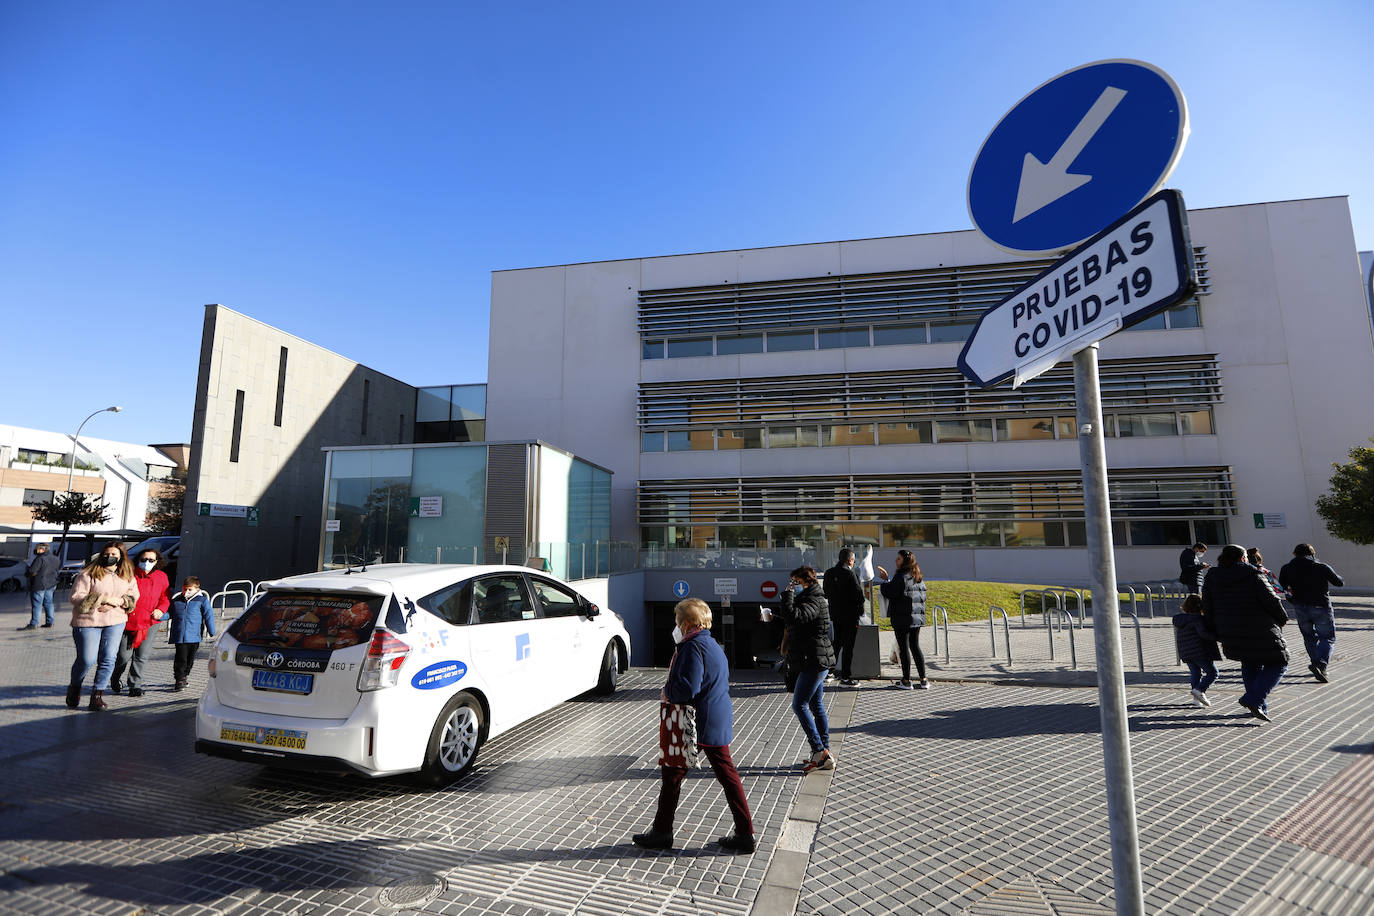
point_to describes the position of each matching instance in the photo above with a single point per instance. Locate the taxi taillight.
(385, 656)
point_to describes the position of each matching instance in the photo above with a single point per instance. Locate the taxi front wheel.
(454, 742)
(610, 671)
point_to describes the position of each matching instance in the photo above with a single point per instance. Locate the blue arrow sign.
(681, 588)
(1076, 154)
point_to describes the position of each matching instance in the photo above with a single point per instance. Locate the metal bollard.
(1006, 630)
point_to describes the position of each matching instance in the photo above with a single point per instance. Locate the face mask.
(109, 561)
(146, 565)
(677, 635)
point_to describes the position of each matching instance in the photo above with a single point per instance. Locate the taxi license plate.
(283, 681)
(263, 737)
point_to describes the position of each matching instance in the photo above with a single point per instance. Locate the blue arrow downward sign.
(1076, 154)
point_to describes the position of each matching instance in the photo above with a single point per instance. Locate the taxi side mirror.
(589, 609)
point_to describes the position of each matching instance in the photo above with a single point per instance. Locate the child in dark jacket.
(191, 614)
(1197, 647)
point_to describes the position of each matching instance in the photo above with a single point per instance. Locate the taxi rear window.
(307, 621)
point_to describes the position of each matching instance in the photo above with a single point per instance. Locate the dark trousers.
(185, 657)
(909, 644)
(728, 777)
(131, 659)
(845, 634)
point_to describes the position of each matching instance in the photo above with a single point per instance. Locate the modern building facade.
(806, 396)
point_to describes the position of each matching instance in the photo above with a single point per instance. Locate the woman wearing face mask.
(102, 595)
(151, 607)
(191, 616)
(699, 677)
(906, 608)
(811, 654)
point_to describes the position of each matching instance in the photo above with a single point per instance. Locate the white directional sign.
(1134, 268)
(727, 586)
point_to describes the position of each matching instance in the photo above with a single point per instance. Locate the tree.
(1348, 509)
(67, 509)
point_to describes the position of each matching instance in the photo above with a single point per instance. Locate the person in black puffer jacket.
(1246, 616)
(1197, 648)
(811, 654)
(906, 608)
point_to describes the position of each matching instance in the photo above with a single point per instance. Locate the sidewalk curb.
(780, 892)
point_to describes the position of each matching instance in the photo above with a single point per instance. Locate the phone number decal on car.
(439, 674)
(266, 737)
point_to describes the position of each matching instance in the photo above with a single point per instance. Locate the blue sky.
(353, 172)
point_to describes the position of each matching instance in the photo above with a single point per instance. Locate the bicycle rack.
(1006, 631)
(1081, 606)
(1139, 643)
(1061, 625)
(1022, 598)
(219, 609)
(936, 612)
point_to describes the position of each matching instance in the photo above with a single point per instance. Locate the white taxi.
(401, 667)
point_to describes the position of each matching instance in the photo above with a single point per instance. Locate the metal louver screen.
(1149, 383)
(1134, 493)
(943, 292)
(507, 501)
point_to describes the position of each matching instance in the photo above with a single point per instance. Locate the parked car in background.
(402, 668)
(13, 575)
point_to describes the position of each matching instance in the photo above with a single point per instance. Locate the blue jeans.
(1202, 675)
(1259, 679)
(41, 600)
(1318, 628)
(96, 646)
(808, 703)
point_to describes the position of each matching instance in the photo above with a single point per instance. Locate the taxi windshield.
(311, 620)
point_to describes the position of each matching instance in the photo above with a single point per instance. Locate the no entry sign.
(769, 589)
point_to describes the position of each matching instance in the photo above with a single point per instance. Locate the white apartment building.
(807, 395)
(35, 465)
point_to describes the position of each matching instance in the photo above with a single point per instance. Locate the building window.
(653, 349)
(729, 345)
(789, 341)
(836, 338)
(281, 387)
(690, 346)
(237, 433)
(37, 497)
(367, 396)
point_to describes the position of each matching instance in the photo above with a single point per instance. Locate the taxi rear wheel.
(454, 741)
(610, 671)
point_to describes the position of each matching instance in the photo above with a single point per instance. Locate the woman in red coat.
(152, 606)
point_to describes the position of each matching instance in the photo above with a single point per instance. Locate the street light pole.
(76, 440)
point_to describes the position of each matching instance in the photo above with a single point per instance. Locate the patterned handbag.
(677, 736)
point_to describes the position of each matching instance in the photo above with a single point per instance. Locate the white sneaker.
(1200, 699)
(903, 685)
(923, 685)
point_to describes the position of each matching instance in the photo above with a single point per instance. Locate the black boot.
(96, 702)
(73, 695)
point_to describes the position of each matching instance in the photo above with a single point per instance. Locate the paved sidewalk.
(983, 795)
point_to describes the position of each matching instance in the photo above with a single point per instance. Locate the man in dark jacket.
(846, 599)
(42, 574)
(1246, 616)
(1191, 567)
(1307, 580)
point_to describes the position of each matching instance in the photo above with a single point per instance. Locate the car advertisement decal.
(280, 659)
(303, 621)
(522, 647)
(267, 737)
(438, 674)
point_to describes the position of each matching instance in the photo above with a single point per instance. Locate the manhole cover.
(411, 891)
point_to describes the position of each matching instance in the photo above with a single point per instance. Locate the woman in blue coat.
(191, 613)
(699, 677)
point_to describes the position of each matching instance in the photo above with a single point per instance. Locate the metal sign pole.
(1111, 685)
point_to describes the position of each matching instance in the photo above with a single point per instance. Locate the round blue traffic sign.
(1076, 154)
(681, 589)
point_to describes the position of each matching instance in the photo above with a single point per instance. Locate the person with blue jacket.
(699, 676)
(191, 613)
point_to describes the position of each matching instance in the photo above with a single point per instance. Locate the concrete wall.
(280, 468)
(1287, 316)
